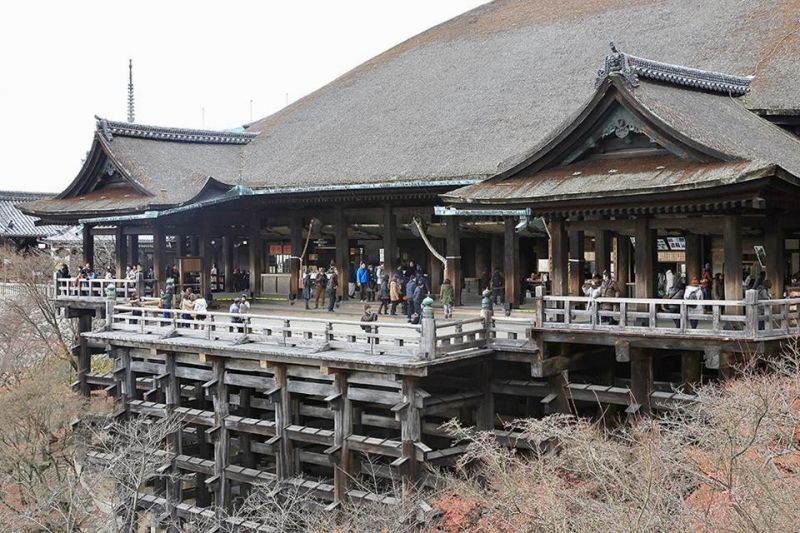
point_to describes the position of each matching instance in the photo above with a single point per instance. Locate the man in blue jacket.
(362, 280)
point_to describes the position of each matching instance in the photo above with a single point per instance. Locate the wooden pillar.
(133, 249)
(342, 428)
(453, 256)
(227, 260)
(485, 413)
(194, 246)
(694, 256)
(732, 242)
(623, 263)
(159, 255)
(727, 365)
(247, 458)
(577, 263)
(645, 260)
(222, 441)
(602, 251)
(84, 355)
(641, 376)
(435, 267)
(342, 250)
(204, 251)
(557, 397)
(201, 494)
(180, 245)
(776, 263)
(482, 256)
(296, 240)
(120, 252)
(410, 426)
(691, 370)
(389, 240)
(511, 261)
(254, 249)
(283, 417)
(173, 440)
(88, 244)
(559, 258)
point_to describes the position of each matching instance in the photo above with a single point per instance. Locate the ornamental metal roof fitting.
(630, 67)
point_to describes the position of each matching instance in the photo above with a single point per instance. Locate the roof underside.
(470, 98)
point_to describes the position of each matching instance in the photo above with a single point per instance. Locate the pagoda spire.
(131, 115)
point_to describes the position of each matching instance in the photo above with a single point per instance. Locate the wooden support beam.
(623, 264)
(296, 241)
(159, 255)
(343, 428)
(227, 261)
(410, 420)
(172, 395)
(84, 355)
(694, 256)
(205, 252)
(201, 492)
(283, 418)
(222, 435)
(511, 261)
(691, 370)
(774, 247)
(342, 250)
(246, 456)
(602, 251)
(641, 378)
(133, 249)
(732, 242)
(254, 246)
(453, 256)
(484, 414)
(390, 255)
(577, 262)
(645, 251)
(120, 252)
(88, 244)
(559, 258)
(180, 245)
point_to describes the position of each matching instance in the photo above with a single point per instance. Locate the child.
(446, 296)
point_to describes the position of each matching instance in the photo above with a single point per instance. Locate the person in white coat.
(694, 292)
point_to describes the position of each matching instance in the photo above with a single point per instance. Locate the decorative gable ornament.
(631, 67)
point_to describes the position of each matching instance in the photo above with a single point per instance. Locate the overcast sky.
(62, 63)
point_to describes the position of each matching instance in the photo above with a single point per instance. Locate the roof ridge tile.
(110, 128)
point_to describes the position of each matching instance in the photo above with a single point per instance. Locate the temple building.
(509, 138)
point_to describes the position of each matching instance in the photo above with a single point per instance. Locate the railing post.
(427, 345)
(55, 282)
(487, 311)
(111, 298)
(538, 299)
(751, 312)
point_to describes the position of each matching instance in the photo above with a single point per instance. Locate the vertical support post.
(342, 428)
(482, 261)
(180, 245)
(246, 456)
(227, 259)
(556, 384)
(194, 245)
(389, 240)
(732, 241)
(204, 251)
(694, 256)
(496, 244)
(776, 264)
(602, 251)
(159, 255)
(222, 442)
(691, 370)
(173, 440)
(623, 263)
(296, 237)
(485, 412)
(84, 356)
(427, 344)
(283, 418)
(201, 495)
(88, 244)
(133, 249)
(559, 258)
(727, 365)
(453, 257)
(511, 261)
(645, 260)
(577, 262)
(254, 249)
(342, 250)
(641, 377)
(410, 425)
(120, 252)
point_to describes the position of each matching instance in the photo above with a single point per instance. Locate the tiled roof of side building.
(14, 223)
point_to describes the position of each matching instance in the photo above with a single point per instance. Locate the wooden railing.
(93, 288)
(748, 318)
(427, 340)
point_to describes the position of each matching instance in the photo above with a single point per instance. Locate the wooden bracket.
(213, 432)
